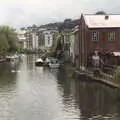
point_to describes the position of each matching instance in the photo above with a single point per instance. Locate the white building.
(72, 40)
(21, 38)
(48, 38)
(34, 41)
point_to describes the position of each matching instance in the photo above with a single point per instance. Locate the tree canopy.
(7, 40)
(100, 13)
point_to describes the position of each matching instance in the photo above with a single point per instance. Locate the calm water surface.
(35, 93)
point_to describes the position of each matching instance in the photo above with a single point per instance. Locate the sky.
(22, 13)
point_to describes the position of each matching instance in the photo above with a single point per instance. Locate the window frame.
(95, 36)
(111, 36)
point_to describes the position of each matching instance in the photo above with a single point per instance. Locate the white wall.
(21, 37)
(48, 37)
(72, 39)
(34, 41)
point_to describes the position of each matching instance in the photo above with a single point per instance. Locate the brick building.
(98, 33)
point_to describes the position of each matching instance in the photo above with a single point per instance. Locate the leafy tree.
(7, 39)
(4, 46)
(100, 13)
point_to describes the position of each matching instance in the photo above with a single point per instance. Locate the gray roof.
(102, 21)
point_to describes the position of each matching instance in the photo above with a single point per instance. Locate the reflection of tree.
(7, 78)
(67, 88)
(64, 82)
(95, 99)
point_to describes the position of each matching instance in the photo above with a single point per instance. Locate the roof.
(102, 21)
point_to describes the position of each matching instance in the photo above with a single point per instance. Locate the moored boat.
(12, 57)
(39, 62)
(54, 63)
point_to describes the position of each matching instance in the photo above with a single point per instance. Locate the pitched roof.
(102, 21)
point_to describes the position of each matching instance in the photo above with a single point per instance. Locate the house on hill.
(99, 33)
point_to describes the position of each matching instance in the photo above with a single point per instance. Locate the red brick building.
(98, 32)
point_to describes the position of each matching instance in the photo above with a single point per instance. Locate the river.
(36, 93)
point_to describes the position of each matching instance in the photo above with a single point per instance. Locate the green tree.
(4, 46)
(100, 13)
(10, 36)
(8, 39)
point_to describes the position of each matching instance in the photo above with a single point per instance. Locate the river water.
(36, 93)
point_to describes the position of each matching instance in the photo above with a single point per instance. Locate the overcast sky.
(20, 13)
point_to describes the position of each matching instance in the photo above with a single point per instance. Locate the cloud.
(19, 13)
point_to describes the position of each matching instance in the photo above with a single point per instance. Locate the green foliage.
(100, 13)
(7, 40)
(4, 46)
(116, 76)
(56, 24)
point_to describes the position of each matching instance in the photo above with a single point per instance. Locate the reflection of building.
(86, 93)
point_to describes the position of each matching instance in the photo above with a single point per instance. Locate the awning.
(116, 53)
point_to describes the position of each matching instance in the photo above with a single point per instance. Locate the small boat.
(47, 61)
(54, 63)
(39, 62)
(12, 57)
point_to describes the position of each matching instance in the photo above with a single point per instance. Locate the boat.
(39, 62)
(54, 63)
(12, 57)
(47, 61)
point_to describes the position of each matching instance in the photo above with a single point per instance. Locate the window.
(95, 36)
(111, 36)
(48, 40)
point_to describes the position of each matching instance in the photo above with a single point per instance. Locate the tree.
(8, 39)
(4, 46)
(100, 13)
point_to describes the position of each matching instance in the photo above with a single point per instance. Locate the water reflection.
(96, 100)
(7, 89)
(33, 93)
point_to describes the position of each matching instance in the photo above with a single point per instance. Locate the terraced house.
(98, 33)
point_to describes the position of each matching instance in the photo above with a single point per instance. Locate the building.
(48, 36)
(34, 41)
(76, 47)
(72, 40)
(29, 42)
(41, 42)
(21, 38)
(97, 33)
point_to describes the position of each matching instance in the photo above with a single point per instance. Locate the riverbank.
(102, 78)
(88, 75)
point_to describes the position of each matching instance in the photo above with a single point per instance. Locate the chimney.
(106, 17)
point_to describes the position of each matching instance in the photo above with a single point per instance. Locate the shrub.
(116, 76)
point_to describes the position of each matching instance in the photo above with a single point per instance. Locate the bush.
(116, 76)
